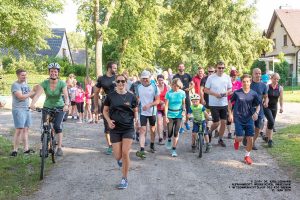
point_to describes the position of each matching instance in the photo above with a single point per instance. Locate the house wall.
(64, 45)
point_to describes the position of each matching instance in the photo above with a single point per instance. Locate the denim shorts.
(196, 126)
(241, 128)
(22, 117)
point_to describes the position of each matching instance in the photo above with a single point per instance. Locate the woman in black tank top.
(275, 92)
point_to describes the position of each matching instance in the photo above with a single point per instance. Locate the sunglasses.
(120, 81)
(211, 71)
(221, 67)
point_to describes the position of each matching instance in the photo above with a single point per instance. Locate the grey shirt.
(25, 89)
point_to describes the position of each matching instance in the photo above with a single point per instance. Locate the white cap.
(145, 74)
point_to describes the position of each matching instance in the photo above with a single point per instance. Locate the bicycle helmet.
(195, 97)
(54, 65)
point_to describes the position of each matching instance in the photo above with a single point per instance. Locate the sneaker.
(270, 143)
(245, 141)
(208, 148)
(123, 184)
(14, 154)
(141, 154)
(152, 150)
(254, 147)
(181, 130)
(265, 138)
(187, 126)
(160, 141)
(193, 148)
(261, 134)
(109, 151)
(168, 145)
(29, 151)
(59, 152)
(221, 142)
(274, 130)
(248, 160)
(120, 163)
(164, 135)
(229, 136)
(216, 133)
(236, 144)
(174, 154)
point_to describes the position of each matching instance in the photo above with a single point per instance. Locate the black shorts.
(144, 119)
(218, 112)
(73, 103)
(117, 136)
(80, 107)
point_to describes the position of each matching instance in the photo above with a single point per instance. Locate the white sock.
(247, 153)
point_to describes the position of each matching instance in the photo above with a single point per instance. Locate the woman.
(120, 110)
(236, 85)
(161, 120)
(275, 92)
(54, 88)
(174, 110)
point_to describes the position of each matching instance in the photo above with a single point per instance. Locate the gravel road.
(85, 172)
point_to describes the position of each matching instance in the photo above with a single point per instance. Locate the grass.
(287, 150)
(18, 175)
(291, 96)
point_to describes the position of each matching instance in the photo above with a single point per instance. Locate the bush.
(282, 69)
(6, 61)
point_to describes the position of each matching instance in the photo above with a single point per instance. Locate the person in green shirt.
(53, 89)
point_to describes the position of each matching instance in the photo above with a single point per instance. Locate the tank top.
(273, 95)
(162, 97)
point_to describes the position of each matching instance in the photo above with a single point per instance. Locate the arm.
(281, 100)
(191, 86)
(38, 93)
(22, 97)
(67, 101)
(209, 92)
(230, 115)
(154, 103)
(255, 115)
(166, 110)
(265, 100)
(107, 117)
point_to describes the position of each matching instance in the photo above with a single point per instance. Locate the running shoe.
(14, 154)
(208, 148)
(141, 154)
(245, 141)
(29, 152)
(248, 160)
(109, 151)
(254, 147)
(229, 136)
(221, 142)
(123, 184)
(59, 152)
(187, 126)
(174, 154)
(181, 130)
(160, 141)
(261, 134)
(265, 138)
(168, 145)
(270, 143)
(120, 163)
(236, 144)
(152, 149)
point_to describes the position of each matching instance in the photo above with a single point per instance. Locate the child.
(72, 92)
(79, 99)
(199, 115)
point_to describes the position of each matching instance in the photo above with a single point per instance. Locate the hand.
(183, 113)
(203, 102)
(66, 108)
(230, 118)
(281, 110)
(218, 96)
(167, 120)
(32, 107)
(111, 124)
(146, 107)
(265, 104)
(255, 116)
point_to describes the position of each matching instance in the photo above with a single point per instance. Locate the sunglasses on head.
(120, 81)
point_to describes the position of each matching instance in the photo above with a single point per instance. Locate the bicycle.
(199, 139)
(47, 137)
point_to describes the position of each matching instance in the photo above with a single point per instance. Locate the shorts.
(144, 119)
(196, 126)
(80, 107)
(240, 128)
(73, 103)
(259, 123)
(118, 136)
(22, 118)
(161, 112)
(218, 112)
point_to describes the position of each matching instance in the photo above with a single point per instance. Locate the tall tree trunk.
(87, 63)
(98, 35)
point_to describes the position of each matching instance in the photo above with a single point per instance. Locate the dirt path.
(85, 172)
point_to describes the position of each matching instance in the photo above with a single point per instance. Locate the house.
(79, 56)
(58, 45)
(284, 30)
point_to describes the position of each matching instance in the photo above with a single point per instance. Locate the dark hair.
(19, 71)
(160, 76)
(200, 68)
(220, 63)
(245, 76)
(122, 76)
(110, 64)
(79, 84)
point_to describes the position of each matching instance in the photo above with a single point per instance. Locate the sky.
(265, 9)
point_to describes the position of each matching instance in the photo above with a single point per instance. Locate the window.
(274, 43)
(284, 40)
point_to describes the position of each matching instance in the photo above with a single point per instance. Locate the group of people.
(166, 103)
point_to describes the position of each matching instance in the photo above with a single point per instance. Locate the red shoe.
(236, 144)
(248, 160)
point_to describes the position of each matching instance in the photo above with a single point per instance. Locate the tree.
(23, 24)
(76, 40)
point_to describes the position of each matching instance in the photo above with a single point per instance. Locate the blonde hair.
(275, 74)
(178, 82)
(87, 80)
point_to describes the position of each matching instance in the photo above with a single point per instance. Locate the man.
(107, 84)
(20, 111)
(188, 85)
(261, 89)
(204, 96)
(218, 86)
(197, 79)
(245, 111)
(148, 96)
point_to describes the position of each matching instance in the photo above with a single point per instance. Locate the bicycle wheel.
(43, 153)
(200, 143)
(53, 146)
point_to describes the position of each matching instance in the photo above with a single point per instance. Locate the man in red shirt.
(197, 79)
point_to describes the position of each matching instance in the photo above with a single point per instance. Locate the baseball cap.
(233, 72)
(145, 74)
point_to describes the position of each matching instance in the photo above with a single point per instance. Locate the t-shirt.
(202, 84)
(245, 104)
(273, 95)
(218, 84)
(121, 110)
(162, 96)
(106, 83)
(24, 89)
(197, 82)
(73, 93)
(185, 79)
(79, 96)
(175, 103)
(147, 95)
(236, 85)
(261, 89)
(53, 98)
(198, 112)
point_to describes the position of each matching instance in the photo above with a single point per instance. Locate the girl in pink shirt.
(79, 99)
